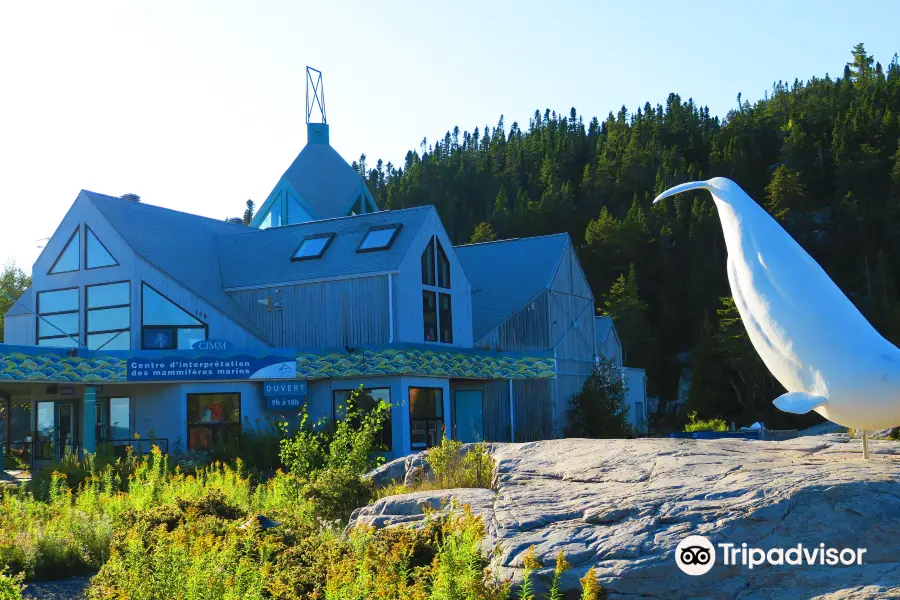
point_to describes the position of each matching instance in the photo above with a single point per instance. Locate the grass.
(151, 530)
(452, 466)
(696, 424)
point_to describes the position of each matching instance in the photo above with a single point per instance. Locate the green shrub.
(599, 410)
(453, 468)
(696, 424)
(10, 587)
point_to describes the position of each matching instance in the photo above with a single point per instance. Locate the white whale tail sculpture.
(807, 332)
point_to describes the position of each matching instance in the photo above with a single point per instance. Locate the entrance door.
(469, 406)
(45, 424)
(65, 423)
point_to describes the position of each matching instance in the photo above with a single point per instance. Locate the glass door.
(468, 424)
(65, 420)
(45, 448)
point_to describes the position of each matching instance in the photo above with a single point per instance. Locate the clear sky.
(198, 105)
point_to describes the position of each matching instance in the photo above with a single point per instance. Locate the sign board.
(282, 402)
(222, 367)
(66, 390)
(213, 345)
(284, 388)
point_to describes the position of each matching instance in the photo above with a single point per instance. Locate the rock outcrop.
(622, 506)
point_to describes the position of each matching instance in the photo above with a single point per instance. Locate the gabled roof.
(602, 326)
(254, 257)
(506, 274)
(22, 306)
(181, 245)
(324, 180)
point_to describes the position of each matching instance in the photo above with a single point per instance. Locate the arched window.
(437, 304)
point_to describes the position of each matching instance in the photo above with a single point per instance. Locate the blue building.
(145, 322)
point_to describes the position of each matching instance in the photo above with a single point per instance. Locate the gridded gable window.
(379, 238)
(165, 325)
(95, 253)
(108, 308)
(313, 246)
(70, 257)
(57, 321)
(437, 308)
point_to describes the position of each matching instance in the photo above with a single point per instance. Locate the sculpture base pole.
(865, 436)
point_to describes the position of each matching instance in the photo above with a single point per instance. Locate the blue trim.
(277, 194)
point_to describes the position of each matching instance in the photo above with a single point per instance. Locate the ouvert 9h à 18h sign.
(284, 394)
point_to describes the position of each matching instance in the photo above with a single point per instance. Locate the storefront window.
(426, 417)
(367, 400)
(212, 419)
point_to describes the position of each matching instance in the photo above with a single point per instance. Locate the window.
(443, 266)
(437, 306)
(57, 321)
(368, 399)
(379, 238)
(428, 264)
(426, 412)
(212, 419)
(445, 316)
(429, 312)
(313, 246)
(95, 253)
(69, 259)
(108, 308)
(166, 326)
(113, 420)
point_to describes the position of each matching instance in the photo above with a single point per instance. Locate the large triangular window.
(165, 325)
(69, 259)
(95, 253)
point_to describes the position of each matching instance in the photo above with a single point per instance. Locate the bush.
(599, 410)
(696, 424)
(454, 468)
(10, 587)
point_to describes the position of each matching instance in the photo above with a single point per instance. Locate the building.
(609, 345)
(145, 322)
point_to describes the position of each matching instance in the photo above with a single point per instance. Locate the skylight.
(379, 238)
(313, 246)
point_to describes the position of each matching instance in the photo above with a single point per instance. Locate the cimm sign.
(213, 345)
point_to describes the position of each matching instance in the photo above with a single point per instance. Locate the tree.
(249, 212)
(784, 194)
(13, 283)
(599, 410)
(629, 313)
(483, 233)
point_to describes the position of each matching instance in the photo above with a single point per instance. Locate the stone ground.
(62, 589)
(623, 505)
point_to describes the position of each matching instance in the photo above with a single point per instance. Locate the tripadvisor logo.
(696, 555)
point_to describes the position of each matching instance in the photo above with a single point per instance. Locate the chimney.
(132, 197)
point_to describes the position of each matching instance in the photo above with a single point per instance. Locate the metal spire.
(314, 84)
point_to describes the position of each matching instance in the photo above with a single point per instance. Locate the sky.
(199, 105)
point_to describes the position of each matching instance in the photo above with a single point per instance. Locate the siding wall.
(19, 329)
(322, 315)
(495, 415)
(572, 333)
(526, 329)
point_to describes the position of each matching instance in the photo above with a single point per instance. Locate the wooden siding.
(532, 400)
(19, 329)
(495, 413)
(328, 314)
(526, 329)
